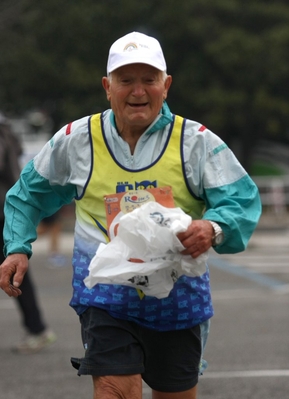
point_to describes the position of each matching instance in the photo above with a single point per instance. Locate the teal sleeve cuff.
(15, 248)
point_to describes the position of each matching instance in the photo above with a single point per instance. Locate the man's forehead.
(137, 68)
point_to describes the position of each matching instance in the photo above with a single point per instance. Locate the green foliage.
(229, 59)
(265, 169)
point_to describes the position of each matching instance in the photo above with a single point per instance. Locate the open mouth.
(139, 105)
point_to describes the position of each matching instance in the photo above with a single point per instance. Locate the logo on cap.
(130, 47)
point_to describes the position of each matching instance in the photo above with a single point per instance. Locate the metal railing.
(274, 192)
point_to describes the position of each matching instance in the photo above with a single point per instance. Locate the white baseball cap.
(134, 48)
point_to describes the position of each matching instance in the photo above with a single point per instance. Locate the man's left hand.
(197, 239)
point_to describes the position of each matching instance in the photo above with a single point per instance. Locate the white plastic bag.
(148, 234)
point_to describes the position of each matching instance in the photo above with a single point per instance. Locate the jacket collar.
(164, 117)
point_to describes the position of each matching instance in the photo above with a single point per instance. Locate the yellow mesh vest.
(108, 177)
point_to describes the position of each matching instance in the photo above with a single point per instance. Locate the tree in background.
(228, 58)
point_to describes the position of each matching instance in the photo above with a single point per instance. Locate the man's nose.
(138, 89)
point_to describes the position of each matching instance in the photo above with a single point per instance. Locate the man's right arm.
(46, 184)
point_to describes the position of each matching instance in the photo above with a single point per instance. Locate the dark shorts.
(167, 361)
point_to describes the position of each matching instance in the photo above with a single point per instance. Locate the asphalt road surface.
(247, 350)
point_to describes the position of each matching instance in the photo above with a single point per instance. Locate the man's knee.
(190, 394)
(117, 387)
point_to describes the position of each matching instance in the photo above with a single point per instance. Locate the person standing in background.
(38, 334)
(52, 227)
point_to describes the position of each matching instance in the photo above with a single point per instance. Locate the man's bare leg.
(190, 394)
(117, 387)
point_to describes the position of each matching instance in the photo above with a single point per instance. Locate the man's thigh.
(111, 345)
(172, 359)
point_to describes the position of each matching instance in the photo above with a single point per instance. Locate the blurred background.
(230, 65)
(229, 60)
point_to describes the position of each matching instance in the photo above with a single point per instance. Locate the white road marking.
(246, 374)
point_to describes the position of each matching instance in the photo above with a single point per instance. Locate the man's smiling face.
(136, 93)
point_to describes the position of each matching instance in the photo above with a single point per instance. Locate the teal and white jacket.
(61, 172)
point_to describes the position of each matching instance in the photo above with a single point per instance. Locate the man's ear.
(168, 83)
(106, 86)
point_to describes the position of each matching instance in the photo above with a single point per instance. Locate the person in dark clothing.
(38, 335)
